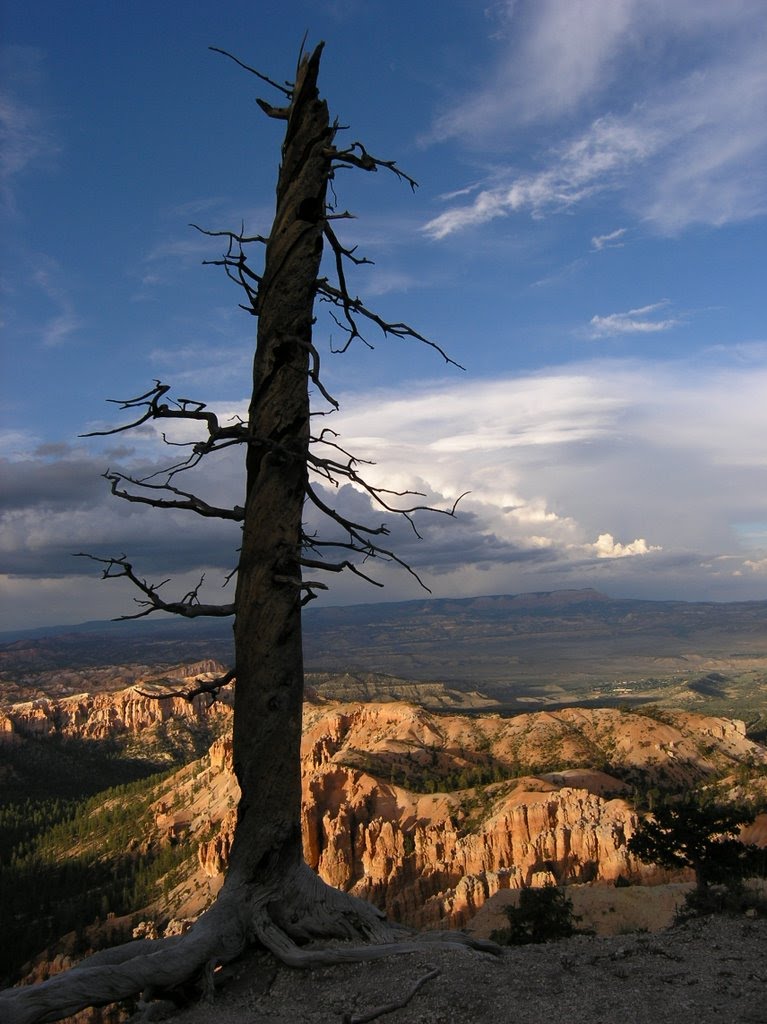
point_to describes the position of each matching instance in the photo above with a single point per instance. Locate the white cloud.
(655, 456)
(556, 59)
(589, 164)
(382, 282)
(684, 144)
(20, 142)
(192, 247)
(554, 55)
(609, 241)
(459, 192)
(59, 328)
(606, 546)
(25, 138)
(711, 166)
(56, 329)
(635, 321)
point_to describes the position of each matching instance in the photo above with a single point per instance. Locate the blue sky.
(588, 241)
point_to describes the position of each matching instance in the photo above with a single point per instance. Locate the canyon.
(435, 801)
(428, 814)
(432, 859)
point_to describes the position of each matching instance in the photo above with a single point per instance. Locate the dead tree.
(270, 896)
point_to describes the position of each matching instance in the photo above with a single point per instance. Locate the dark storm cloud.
(51, 509)
(69, 482)
(442, 544)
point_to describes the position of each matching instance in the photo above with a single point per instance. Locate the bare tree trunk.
(268, 647)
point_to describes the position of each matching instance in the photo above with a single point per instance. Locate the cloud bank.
(625, 475)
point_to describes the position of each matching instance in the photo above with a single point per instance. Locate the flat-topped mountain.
(537, 643)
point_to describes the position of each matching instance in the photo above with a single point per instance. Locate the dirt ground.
(708, 971)
(602, 909)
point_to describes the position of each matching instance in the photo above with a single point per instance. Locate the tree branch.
(212, 688)
(183, 409)
(315, 563)
(233, 236)
(358, 542)
(357, 156)
(188, 501)
(189, 606)
(351, 307)
(286, 90)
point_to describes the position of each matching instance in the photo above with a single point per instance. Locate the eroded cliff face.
(427, 863)
(98, 716)
(432, 859)
(427, 815)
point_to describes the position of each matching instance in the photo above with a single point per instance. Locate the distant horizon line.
(217, 624)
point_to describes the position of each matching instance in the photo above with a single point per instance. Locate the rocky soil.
(708, 971)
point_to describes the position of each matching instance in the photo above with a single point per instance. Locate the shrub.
(700, 836)
(732, 900)
(543, 915)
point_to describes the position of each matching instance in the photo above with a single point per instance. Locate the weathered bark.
(268, 649)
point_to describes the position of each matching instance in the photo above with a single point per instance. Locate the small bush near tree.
(700, 836)
(733, 900)
(704, 837)
(543, 915)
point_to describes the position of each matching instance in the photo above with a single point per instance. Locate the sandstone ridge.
(98, 716)
(432, 857)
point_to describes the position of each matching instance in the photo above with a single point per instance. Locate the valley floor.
(705, 972)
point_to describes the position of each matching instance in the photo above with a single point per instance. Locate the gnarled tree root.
(283, 919)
